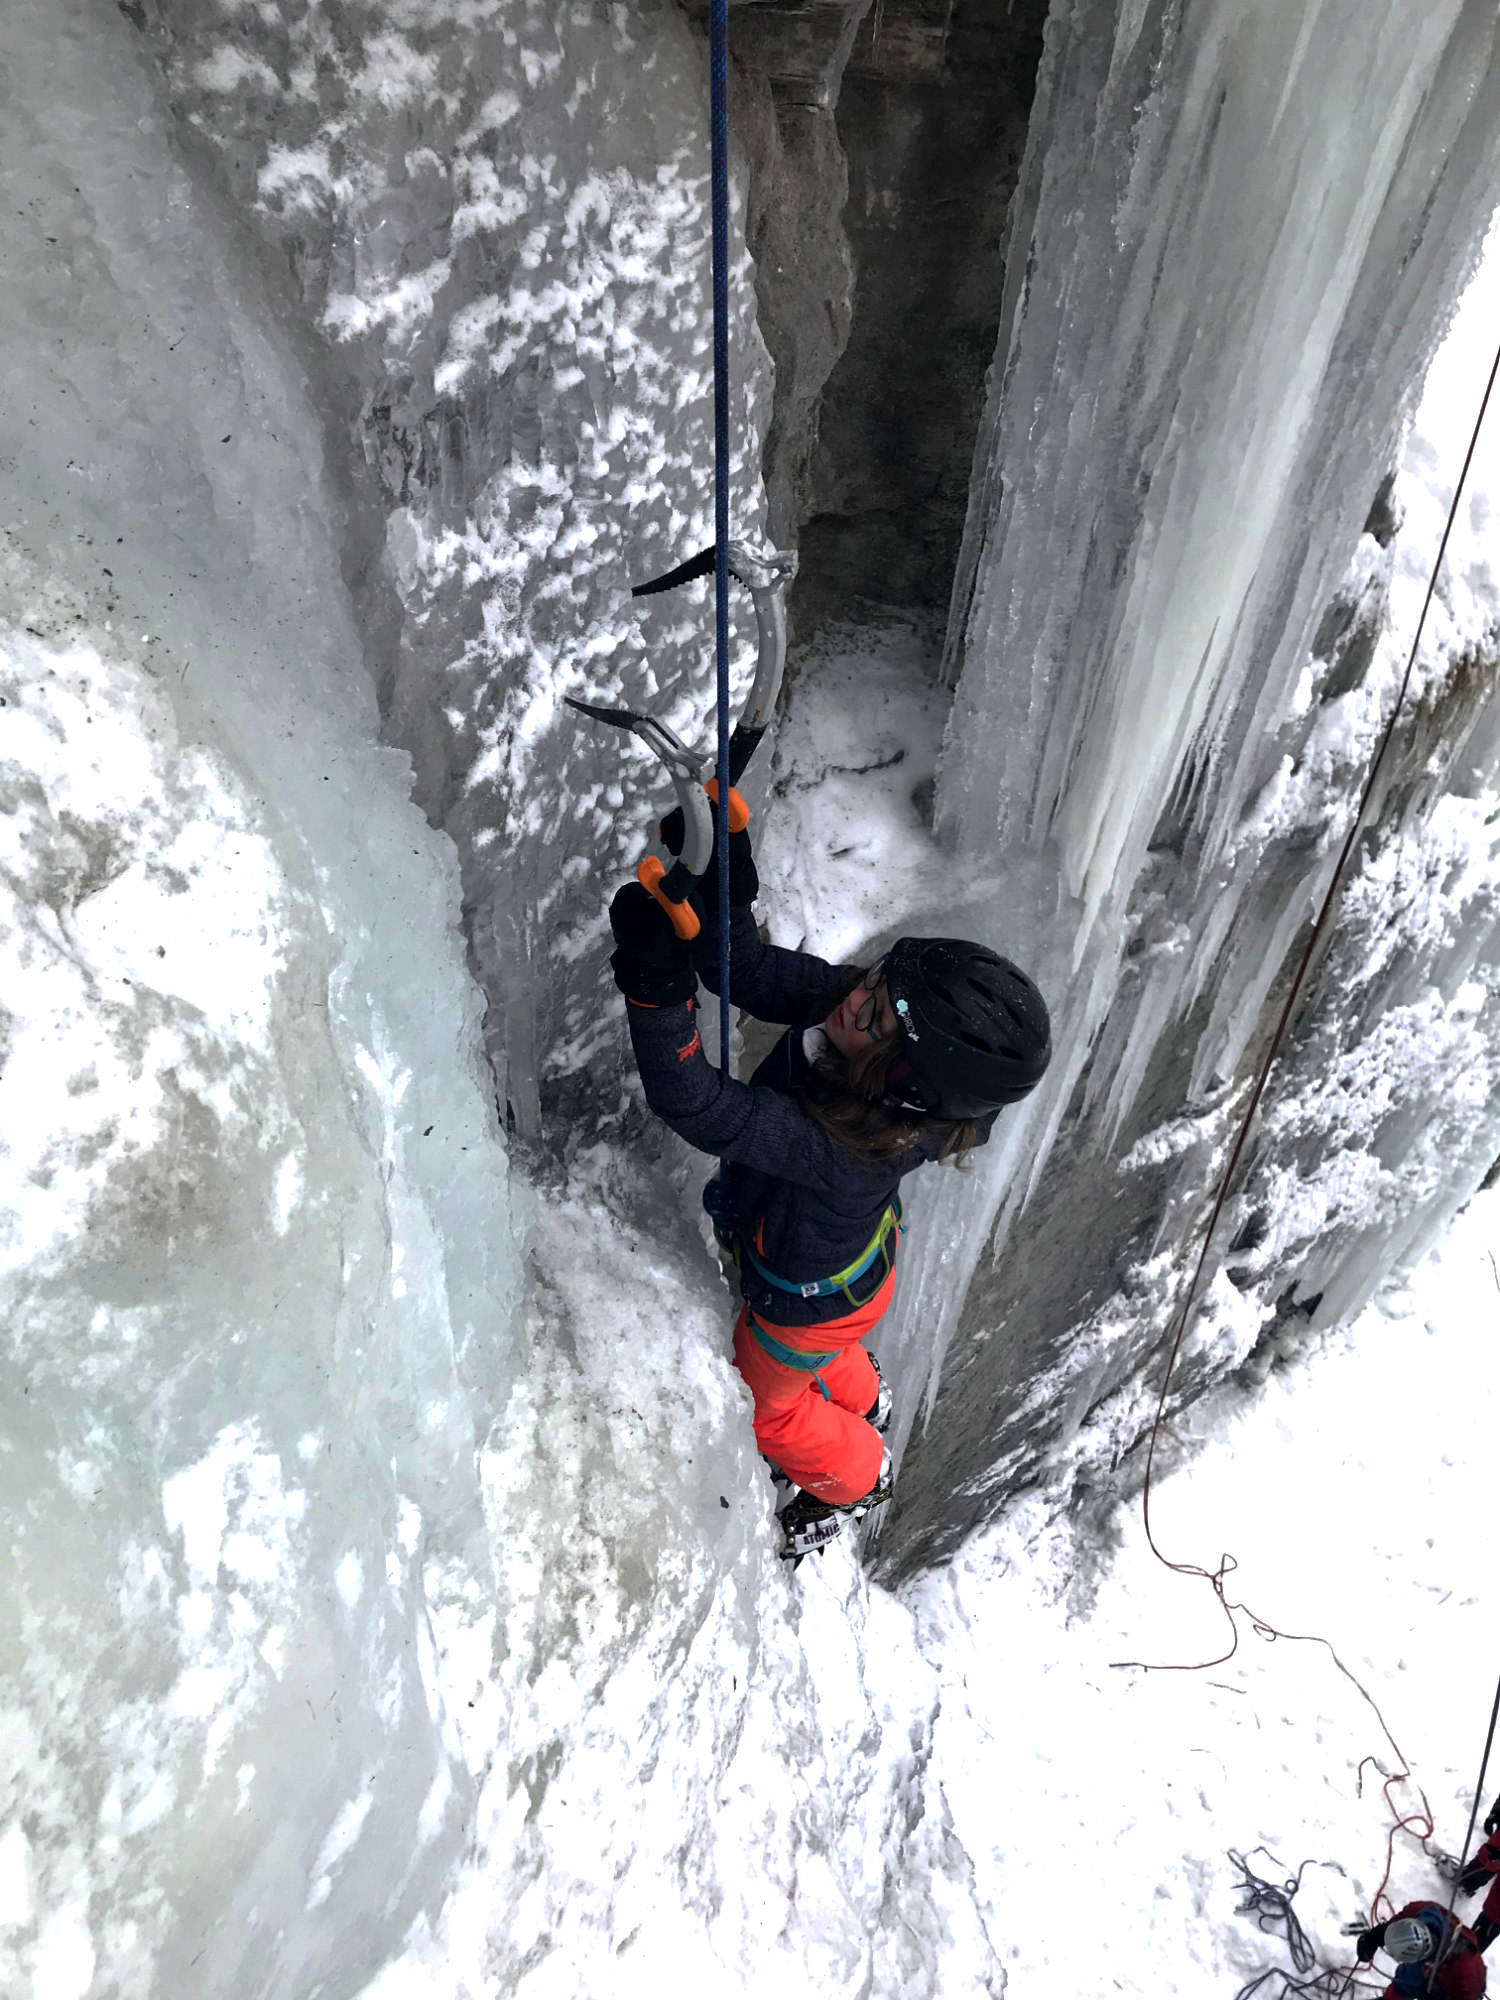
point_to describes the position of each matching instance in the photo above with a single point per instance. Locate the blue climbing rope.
(718, 44)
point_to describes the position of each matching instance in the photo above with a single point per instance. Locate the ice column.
(256, 1265)
(1238, 234)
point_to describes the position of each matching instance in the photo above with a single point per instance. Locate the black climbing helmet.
(974, 1028)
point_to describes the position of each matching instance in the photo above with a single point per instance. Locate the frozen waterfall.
(395, 1607)
(381, 1620)
(257, 1267)
(1238, 235)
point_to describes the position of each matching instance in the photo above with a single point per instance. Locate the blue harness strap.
(791, 1357)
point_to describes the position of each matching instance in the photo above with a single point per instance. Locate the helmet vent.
(942, 993)
(974, 1042)
(984, 992)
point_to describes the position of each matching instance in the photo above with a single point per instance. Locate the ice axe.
(766, 577)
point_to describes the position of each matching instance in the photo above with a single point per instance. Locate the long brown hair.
(851, 1098)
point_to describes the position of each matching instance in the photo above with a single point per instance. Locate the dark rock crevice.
(883, 144)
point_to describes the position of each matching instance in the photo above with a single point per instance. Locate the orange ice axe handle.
(671, 888)
(739, 812)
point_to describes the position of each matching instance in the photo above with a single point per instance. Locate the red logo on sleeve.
(689, 1048)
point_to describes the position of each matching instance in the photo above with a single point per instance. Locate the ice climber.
(1415, 1938)
(881, 1070)
(1485, 1869)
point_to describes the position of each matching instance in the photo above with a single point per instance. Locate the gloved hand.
(1492, 1818)
(653, 965)
(1370, 1942)
(1473, 1879)
(744, 882)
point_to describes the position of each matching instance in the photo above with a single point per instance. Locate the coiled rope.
(1270, 1903)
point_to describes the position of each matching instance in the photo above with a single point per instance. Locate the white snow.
(377, 1631)
(1097, 1803)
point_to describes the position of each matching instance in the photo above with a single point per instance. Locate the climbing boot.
(878, 1416)
(808, 1524)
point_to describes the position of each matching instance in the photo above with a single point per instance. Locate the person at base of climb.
(1485, 1869)
(881, 1070)
(1415, 1939)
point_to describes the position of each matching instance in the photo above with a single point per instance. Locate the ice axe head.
(672, 886)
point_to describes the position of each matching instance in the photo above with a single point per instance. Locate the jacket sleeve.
(754, 1127)
(767, 981)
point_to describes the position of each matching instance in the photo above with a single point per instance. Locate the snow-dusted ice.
(393, 1606)
(1097, 1804)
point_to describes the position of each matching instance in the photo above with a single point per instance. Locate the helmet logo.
(905, 1012)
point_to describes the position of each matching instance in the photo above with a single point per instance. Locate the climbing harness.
(880, 1245)
(791, 1357)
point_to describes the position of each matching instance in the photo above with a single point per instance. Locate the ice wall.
(375, 1621)
(1239, 233)
(497, 221)
(257, 1276)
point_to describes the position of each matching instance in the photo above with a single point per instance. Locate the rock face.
(499, 237)
(932, 117)
(884, 145)
(497, 229)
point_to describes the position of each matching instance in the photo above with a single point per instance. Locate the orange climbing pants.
(821, 1442)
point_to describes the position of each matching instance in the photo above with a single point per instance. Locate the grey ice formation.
(390, 1605)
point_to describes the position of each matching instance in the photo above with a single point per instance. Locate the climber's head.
(974, 1030)
(1409, 1941)
(938, 1033)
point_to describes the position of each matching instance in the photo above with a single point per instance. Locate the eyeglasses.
(873, 984)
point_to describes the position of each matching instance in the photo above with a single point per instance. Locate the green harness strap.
(822, 1288)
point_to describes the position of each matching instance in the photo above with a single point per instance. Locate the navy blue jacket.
(809, 1206)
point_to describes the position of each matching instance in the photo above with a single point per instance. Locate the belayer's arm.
(753, 1127)
(766, 980)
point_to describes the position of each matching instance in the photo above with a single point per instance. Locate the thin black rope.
(1270, 1903)
(1463, 1860)
(718, 47)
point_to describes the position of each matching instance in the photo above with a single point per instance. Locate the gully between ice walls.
(388, 1524)
(1206, 296)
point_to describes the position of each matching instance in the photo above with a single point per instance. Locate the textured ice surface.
(1237, 240)
(377, 1631)
(368, 1626)
(497, 218)
(256, 1276)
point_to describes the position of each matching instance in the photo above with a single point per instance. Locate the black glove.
(744, 883)
(1473, 1879)
(1370, 1942)
(653, 964)
(1492, 1818)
